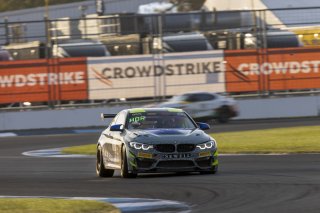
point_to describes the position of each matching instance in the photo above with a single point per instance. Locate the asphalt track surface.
(249, 183)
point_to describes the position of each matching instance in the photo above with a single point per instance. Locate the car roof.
(197, 92)
(165, 109)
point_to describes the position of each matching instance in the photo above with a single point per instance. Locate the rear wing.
(103, 116)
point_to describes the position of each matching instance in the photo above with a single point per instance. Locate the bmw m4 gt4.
(146, 140)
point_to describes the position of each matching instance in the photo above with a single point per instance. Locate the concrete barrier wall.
(279, 107)
(86, 117)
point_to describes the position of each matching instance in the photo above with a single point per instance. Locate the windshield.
(159, 120)
(179, 98)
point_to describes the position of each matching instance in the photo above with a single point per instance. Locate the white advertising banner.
(147, 76)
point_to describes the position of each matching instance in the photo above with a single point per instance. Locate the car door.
(107, 145)
(202, 105)
(117, 139)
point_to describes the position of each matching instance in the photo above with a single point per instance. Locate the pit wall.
(90, 117)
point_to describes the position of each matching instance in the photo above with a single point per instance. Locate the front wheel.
(100, 168)
(124, 166)
(224, 115)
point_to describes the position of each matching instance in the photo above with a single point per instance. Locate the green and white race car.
(146, 140)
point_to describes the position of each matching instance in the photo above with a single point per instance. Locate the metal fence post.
(6, 26)
(48, 56)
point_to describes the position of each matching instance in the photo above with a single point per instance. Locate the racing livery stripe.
(131, 154)
(215, 163)
(132, 163)
(137, 110)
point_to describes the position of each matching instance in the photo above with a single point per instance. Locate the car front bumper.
(147, 162)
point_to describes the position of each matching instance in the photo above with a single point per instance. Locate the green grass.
(281, 140)
(45, 205)
(84, 150)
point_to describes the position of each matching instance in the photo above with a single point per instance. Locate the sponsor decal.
(176, 156)
(144, 155)
(204, 154)
(137, 119)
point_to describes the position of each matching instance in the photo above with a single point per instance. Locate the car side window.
(206, 97)
(192, 98)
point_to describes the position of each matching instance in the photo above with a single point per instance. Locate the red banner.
(273, 69)
(43, 80)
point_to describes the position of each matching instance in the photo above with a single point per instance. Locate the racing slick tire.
(124, 165)
(224, 114)
(213, 170)
(100, 169)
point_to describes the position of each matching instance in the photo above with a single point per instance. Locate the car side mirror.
(116, 128)
(203, 126)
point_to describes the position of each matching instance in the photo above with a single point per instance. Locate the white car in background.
(204, 106)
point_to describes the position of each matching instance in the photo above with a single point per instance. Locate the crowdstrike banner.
(144, 75)
(290, 67)
(279, 69)
(41, 79)
(140, 71)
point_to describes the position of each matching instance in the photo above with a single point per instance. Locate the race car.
(155, 140)
(204, 106)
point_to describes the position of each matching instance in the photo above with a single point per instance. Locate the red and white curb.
(129, 205)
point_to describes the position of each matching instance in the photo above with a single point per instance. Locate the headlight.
(139, 146)
(207, 145)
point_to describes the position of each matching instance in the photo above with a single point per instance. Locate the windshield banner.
(158, 75)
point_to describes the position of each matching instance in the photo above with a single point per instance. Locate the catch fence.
(261, 52)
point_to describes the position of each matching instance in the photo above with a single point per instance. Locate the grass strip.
(47, 205)
(89, 149)
(281, 140)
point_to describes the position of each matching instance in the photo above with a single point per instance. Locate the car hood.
(153, 136)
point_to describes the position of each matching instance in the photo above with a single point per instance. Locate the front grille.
(144, 163)
(204, 162)
(175, 164)
(185, 147)
(165, 148)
